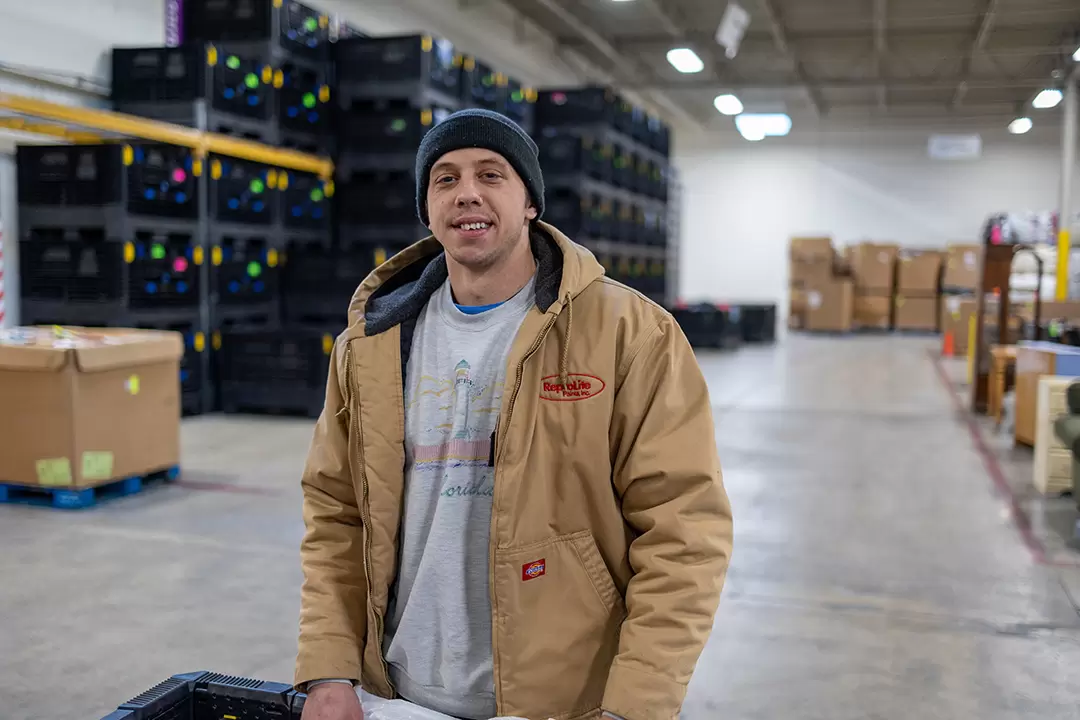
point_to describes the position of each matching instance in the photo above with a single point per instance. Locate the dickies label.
(533, 570)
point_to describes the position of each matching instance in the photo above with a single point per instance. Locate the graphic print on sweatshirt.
(467, 407)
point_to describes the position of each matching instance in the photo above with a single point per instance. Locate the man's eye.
(491, 176)
(444, 180)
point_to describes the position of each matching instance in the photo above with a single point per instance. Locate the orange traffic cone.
(948, 346)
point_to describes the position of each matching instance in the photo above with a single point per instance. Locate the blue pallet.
(77, 499)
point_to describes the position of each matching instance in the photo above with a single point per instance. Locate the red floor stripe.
(1019, 516)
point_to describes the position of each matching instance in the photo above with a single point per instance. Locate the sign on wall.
(174, 22)
(955, 147)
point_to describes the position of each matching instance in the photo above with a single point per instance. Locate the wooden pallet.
(79, 498)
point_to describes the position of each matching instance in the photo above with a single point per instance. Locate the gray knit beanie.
(477, 128)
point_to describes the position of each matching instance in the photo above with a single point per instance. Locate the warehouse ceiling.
(831, 63)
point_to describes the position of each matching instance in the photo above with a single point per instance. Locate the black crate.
(152, 271)
(144, 178)
(564, 152)
(657, 135)
(305, 201)
(303, 100)
(578, 106)
(420, 68)
(319, 281)
(758, 323)
(520, 105)
(193, 373)
(286, 25)
(385, 197)
(246, 271)
(150, 81)
(274, 370)
(652, 225)
(624, 172)
(481, 86)
(624, 229)
(387, 127)
(243, 192)
(580, 214)
(709, 326)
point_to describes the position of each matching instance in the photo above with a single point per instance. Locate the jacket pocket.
(558, 620)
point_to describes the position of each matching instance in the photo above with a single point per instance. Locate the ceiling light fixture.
(1076, 55)
(685, 60)
(728, 104)
(1047, 99)
(1020, 125)
(757, 126)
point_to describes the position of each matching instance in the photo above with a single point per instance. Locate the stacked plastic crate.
(606, 172)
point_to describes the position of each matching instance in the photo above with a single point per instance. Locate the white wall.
(743, 201)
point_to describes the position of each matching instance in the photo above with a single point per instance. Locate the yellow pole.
(1064, 248)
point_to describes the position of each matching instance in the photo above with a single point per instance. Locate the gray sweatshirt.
(438, 630)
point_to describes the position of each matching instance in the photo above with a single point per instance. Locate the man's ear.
(530, 212)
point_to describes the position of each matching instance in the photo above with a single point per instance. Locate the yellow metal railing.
(81, 124)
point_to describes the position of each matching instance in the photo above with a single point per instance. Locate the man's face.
(478, 207)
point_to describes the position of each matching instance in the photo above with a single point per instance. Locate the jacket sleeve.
(667, 474)
(333, 599)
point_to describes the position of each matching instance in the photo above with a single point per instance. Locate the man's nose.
(468, 193)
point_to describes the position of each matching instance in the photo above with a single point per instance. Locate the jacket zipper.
(493, 537)
(356, 432)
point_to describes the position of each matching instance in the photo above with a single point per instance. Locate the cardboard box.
(83, 406)
(961, 267)
(872, 311)
(808, 272)
(829, 306)
(874, 267)
(918, 272)
(956, 313)
(812, 248)
(916, 313)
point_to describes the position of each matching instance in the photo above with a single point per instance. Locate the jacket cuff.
(323, 660)
(637, 695)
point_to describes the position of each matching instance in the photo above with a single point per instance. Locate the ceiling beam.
(797, 38)
(779, 33)
(881, 20)
(849, 83)
(978, 42)
(621, 64)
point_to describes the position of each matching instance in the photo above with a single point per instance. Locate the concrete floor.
(877, 571)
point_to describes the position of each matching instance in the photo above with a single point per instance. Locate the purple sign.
(174, 22)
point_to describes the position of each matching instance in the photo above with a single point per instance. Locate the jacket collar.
(398, 289)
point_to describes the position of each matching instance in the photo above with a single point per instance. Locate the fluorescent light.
(1076, 55)
(685, 60)
(1020, 125)
(751, 125)
(1047, 99)
(728, 105)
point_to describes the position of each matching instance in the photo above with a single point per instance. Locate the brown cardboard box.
(872, 311)
(829, 305)
(812, 248)
(961, 267)
(916, 313)
(807, 272)
(82, 406)
(918, 272)
(873, 265)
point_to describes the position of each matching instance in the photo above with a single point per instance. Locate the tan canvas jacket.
(611, 530)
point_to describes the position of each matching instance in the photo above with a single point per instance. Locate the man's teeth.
(474, 226)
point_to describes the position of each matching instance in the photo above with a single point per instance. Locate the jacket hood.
(398, 289)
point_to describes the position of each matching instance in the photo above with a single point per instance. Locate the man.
(513, 501)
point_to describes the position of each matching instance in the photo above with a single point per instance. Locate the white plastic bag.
(377, 708)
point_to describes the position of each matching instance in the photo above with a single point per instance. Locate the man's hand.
(332, 701)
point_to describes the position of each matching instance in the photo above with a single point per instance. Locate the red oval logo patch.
(578, 386)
